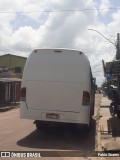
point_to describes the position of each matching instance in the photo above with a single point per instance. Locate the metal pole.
(118, 56)
(118, 47)
(103, 36)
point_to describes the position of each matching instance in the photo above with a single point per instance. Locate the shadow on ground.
(114, 126)
(67, 137)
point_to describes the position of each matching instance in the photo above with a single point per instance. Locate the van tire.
(86, 128)
(40, 125)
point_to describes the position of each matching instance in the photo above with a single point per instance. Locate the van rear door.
(55, 80)
(54, 96)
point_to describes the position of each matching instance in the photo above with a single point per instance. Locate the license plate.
(52, 116)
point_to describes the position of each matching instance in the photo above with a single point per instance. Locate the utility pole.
(118, 56)
(118, 47)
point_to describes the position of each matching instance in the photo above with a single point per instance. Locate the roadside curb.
(7, 108)
(107, 126)
(104, 106)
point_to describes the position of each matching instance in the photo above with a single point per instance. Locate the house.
(11, 65)
(9, 91)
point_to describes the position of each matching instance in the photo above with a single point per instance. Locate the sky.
(29, 24)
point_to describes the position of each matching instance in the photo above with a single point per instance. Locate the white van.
(57, 87)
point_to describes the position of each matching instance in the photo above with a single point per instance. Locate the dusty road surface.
(21, 135)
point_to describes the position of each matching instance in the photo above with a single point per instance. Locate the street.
(21, 135)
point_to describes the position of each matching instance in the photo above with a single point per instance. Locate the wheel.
(112, 109)
(40, 125)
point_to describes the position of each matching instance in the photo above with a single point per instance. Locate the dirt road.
(21, 135)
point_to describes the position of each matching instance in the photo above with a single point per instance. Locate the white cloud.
(64, 27)
(31, 6)
(104, 7)
(59, 29)
(115, 23)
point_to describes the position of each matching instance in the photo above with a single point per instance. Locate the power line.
(30, 47)
(68, 10)
(55, 43)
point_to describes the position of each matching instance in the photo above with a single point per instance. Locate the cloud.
(62, 28)
(59, 29)
(20, 33)
(115, 23)
(30, 8)
(104, 7)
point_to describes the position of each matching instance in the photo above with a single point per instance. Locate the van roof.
(58, 49)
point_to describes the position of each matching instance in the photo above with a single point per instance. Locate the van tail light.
(86, 98)
(23, 94)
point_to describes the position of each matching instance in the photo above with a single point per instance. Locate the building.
(9, 91)
(11, 65)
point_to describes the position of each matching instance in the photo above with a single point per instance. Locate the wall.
(12, 61)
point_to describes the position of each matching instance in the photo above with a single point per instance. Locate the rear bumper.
(82, 117)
